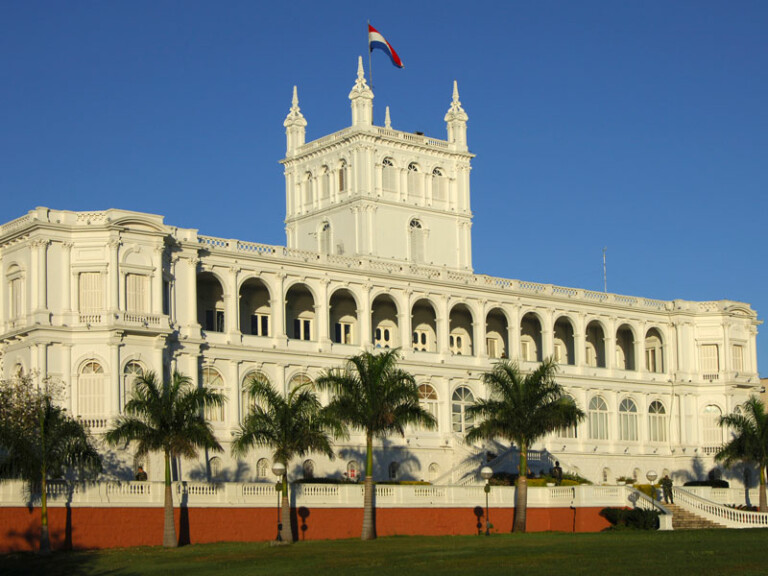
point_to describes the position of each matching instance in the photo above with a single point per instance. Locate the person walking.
(666, 486)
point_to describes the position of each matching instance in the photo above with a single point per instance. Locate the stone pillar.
(364, 312)
(231, 308)
(443, 327)
(277, 307)
(67, 278)
(322, 312)
(513, 333)
(157, 281)
(113, 279)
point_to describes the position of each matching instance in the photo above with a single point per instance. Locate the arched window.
(418, 237)
(415, 182)
(299, 380)
(598, 419)
(353, 470)
(308, 469)
(710, 427)
(246, 400)
(262, 468)
(15, 280)
(325, 183)
(462, 398)
(343, 177)
(433, 471)
(628, 420)
(388, 175)
(428, 399)
(213, 381)
(439, 187)
(657, 422)
(215, 468)
(90, 390)
(131, 372)
(308, 190)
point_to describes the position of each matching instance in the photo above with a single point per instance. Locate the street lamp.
(486, 472)
(278, 469)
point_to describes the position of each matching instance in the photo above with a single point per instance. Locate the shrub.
(649, 490)
(631, 518)
(712, 483)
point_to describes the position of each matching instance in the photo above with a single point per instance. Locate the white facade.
(378, 254)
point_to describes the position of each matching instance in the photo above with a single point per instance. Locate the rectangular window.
(491, 345)
(710, 361)
(91, 292)
(16, 288)
(650, 359)
(302, 329)
(214, 320)
(136, 293)
(260, 324)
(738, 358)
(166, 297)
(343, 333)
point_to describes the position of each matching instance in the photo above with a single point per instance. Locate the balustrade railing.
(725, 515)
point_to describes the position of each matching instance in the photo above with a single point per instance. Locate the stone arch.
(497, 333)
(385, 322)
(564, 341)
(461, 339)
(654, 350)
(300, 312)
(530, 337)
(343, 322)
(625, 347)
(595, 344)
(210, 302)
(424, 325)
(255, 307)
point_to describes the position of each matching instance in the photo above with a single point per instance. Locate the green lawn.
(702, 552)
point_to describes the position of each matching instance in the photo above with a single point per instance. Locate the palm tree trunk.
(286, 534)
(169, 527)
(45, 540)
(763, 506)
(369, 510)
(521, 491)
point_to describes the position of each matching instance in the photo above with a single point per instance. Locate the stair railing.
(641, 500)
(724, 515)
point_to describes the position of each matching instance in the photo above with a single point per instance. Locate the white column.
(113, 284)
(443, 325)
(231, 315)
(365, 336)
(157, 281)
(67, 277)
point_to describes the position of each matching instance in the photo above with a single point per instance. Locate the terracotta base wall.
(82, 528)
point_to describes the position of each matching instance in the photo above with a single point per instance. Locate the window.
(428, 399)
(418, 237)
(569, 431)
(459, 343)
(389, 175)
(343, 333)
(212, 380)
(598, 419)
(90, 393)
(308, 469)
(528, 351)
(384, 334)
(710, 361)
(260, 324)
(131, 372)
(246, 400)
(353, 470)
(16, 292)
(421, 340)
(91, 292)
(439, 186)
(262, 468)
(711, 431)
(462, 398)
(394, 469)
(628, 420)
(214, 320)
(738, 358)
(325, 183)
(492, 347)
(433, 471)
(299, 380)
(302, 329)
(343, 176)
(654, 353)
(307, 185)
(215, 467)
(415, 182)
(657, 422)
(136, 293)
(591, 355)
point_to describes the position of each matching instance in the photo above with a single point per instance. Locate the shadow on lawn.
(55, 564)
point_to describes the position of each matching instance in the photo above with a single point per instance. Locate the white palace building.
(379, 254)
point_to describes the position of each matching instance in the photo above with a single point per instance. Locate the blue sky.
(638, 126)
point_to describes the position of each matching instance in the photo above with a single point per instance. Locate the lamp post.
(487, 473)
(278, 469)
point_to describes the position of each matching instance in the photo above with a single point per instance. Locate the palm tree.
(749, 442)
(291, 426)
(521, 409)
(44, 444)
(168, 418)
(373, 395)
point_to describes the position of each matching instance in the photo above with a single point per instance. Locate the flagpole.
(368, 42)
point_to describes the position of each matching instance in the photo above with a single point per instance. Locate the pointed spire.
(295, 101)
(387, 119)
(295, 125)
(362, 98)
(456, 121)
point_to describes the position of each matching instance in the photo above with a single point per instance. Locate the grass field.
(702, 552)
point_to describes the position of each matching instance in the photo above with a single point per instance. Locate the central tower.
(374, 191)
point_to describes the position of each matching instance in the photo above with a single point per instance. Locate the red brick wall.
(121, 527)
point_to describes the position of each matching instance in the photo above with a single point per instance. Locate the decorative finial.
(295, 125)
(456, 112)
(360, 69)
(456, 120)
(455, 93)
(387, 119)
(295, 101)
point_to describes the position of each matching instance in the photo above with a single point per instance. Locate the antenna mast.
(605, 272)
